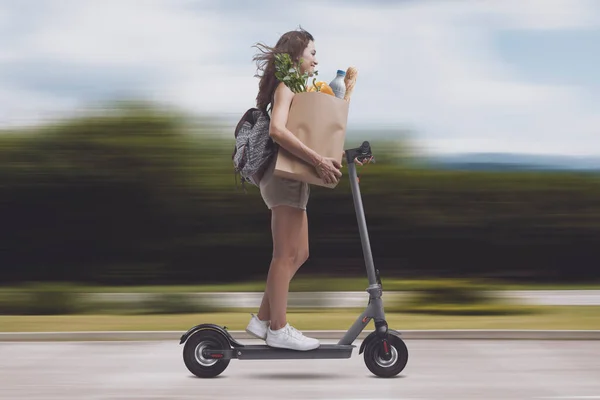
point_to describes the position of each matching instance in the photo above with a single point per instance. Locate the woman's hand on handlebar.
(356, 160)
(329, 170)
(366, 161)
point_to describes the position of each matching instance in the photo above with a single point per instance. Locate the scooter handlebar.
(361, 153)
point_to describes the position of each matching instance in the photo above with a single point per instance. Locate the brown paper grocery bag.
(319, 120)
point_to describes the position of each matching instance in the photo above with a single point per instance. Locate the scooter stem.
(360, 213)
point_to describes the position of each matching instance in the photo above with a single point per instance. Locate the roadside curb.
(468, 334)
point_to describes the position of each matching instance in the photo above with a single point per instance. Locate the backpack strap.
(243, 182)
(270, 108)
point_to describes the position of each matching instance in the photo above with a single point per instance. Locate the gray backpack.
(254, 148)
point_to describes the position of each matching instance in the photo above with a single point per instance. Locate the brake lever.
(363, 159)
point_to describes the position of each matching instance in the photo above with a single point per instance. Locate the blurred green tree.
(142, 194)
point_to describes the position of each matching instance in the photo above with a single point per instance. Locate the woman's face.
(309, 59)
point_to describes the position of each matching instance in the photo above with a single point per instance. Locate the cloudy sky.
(496, 75)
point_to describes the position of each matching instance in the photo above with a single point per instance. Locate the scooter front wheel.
(377, 363)
(196, 362)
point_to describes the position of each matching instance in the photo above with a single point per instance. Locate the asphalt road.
(437, 369)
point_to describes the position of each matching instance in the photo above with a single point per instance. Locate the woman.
(286, 198)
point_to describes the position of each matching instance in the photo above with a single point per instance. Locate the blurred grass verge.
(545, 317)
(434, 297)
(41, 299)
(457, 298)
(434, 304)
(69, 299)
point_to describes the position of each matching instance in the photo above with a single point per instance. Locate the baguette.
(350, 81)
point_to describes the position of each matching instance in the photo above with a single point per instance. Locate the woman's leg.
(290, 251)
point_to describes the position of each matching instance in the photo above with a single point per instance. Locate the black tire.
(192, 353)
(377, 365)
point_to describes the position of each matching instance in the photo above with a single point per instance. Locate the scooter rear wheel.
(195, 361)
(375, 361)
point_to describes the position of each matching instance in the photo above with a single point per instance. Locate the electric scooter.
(209, 348)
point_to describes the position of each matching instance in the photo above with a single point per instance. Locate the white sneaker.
(289, 337)
(257, 328)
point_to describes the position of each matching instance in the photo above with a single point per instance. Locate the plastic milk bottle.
(338, 85)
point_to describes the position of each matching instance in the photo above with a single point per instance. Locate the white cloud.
(543, 14)
(429, 65)
(174, 48)
(127, 33)
(435, 69)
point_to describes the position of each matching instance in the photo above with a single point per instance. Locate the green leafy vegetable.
(289, 73)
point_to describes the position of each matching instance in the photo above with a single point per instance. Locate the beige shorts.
(277, 191)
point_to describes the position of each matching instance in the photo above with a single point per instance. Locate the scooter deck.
(264, 352)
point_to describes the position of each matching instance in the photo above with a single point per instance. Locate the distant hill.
(512, 161)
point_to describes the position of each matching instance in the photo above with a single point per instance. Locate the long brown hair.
(292, 43)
